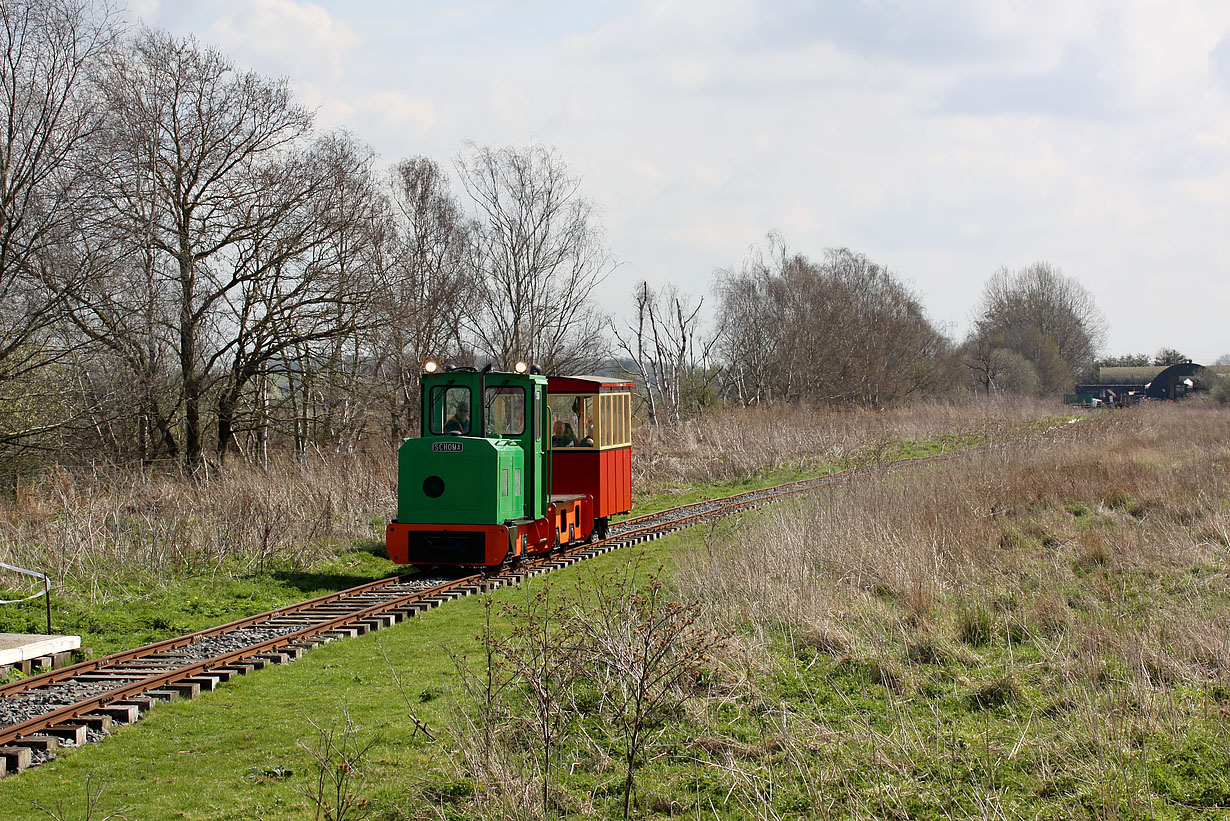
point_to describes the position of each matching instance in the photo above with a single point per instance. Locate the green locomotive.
(475, 488)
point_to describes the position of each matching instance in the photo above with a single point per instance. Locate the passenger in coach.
(559, 439)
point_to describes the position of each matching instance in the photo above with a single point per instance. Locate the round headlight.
(521, 367)
(430, 366)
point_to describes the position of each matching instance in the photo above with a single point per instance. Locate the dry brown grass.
(1109, 537)
(87, 526)
(1038, 630)
(741, 443)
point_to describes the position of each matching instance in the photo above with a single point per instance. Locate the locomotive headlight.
(521, 367)
(430, 366)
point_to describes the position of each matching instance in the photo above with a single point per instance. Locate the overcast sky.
(944, 139)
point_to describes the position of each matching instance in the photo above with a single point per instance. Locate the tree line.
(190, 270)
(845, 329)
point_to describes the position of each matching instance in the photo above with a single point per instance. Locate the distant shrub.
(1221, 393)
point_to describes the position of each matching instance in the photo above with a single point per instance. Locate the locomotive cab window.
(450, 411)
(504, 411)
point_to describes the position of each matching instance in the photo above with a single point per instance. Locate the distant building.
(1125, 386)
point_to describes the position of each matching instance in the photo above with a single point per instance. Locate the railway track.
(83, 702)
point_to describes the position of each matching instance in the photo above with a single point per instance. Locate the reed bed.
(1071, 533)
(737, 444)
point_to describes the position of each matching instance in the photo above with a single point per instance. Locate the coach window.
(504, 411)
(450, 410)
(604, 413)
(573, 420)
(624, 407)
(614, 415)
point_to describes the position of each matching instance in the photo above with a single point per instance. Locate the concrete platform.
(16, 648)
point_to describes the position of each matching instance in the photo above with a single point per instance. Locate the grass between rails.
(1039, 633)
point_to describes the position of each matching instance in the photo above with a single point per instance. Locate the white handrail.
(36, 574)
(45, 592)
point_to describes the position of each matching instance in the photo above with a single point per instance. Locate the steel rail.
(68, 672)
(156, 681)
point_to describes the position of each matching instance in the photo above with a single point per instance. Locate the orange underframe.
(567, 520)
(495, 543)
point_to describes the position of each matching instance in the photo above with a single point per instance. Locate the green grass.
(978, 722)
(234, 754)
(946, 730)
(132, 609)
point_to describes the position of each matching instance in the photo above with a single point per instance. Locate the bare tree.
(753, 333)
(542, 654)
(841, 330)
(666, 353)
(993, 367)
(192, 147)
(294, 278)
(540, 252)
(885, 342)
(640, 646)
(424, 281)
(1045, 317)
(124, 313)
(48, 49)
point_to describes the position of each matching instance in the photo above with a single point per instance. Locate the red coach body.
(591, 451)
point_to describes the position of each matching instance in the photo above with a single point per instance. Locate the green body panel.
(472, 491)
(480, 479)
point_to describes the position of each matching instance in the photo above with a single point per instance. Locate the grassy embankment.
(1038, 631)
(139, 557)
(1041, 631)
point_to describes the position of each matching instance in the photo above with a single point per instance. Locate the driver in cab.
(459, 423)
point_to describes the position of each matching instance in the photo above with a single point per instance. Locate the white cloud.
(144, 9)
(397, 110)
(285, 37)
(644, 170)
